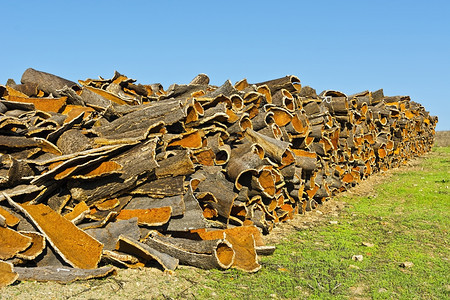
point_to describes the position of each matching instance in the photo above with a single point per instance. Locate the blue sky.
(351, 46)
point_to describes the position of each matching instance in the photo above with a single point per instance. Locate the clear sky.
(351, 46)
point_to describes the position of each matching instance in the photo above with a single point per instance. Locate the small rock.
(406, 264)
(357, 257)
(333, 222)
(354, 267)
(273, 296)
(382, 290)
(370, 245)
(319, 212)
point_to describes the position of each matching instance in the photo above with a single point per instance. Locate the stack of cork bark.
(110, 172)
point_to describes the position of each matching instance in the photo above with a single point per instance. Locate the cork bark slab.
(75, 247)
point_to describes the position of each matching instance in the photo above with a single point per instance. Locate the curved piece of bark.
(109, 235)
(21, 142)
(277, 150)
(62, 274)
(78, 213)
(175, 202)
(147, 253)
(283, 98)
(290, 83)
(54, 105)
(16, 109)
(280, 116)
(7, 274)
(12, 243)
(46, 82)
(227, 89)
(218, 112)
(305, 160)
(222, 189)
(161, 188)
(222, 151)
(191, 140)
(60, 233)
(106, 215)
(93, 171)
(244, 163)
(194, 246)
(37, 245)
(74, 161)
(9, 219)
(183, 91)
(136, 162)
(121, 259)
(192, 218)
(150, 217)
(73, 141)
(222, 256)
(200, 79)
(139, 123)
(179, 164)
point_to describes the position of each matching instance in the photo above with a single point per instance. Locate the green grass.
(407, 220)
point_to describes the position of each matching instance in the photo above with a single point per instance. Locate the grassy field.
(397, 222)
(400, 228)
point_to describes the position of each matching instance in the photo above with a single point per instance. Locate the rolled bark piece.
(200, 79)
(7, 274)
(46, 82)
(194, 246)
(222, 256)
(147, 253)
(12, 243)
(277, 150)
(222, 189)
(60, 233)
(305, 160)
(243, 163)
(62, 274)
(290, 83)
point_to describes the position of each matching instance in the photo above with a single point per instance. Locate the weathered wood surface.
(110, 170)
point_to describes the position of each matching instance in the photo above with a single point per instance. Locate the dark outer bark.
(146, 253)
(160, 188)
(46, 82)
(176, 202)
(109, 235)
(136, 162)
(192, 218)
(61, 274)
(203, 261)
